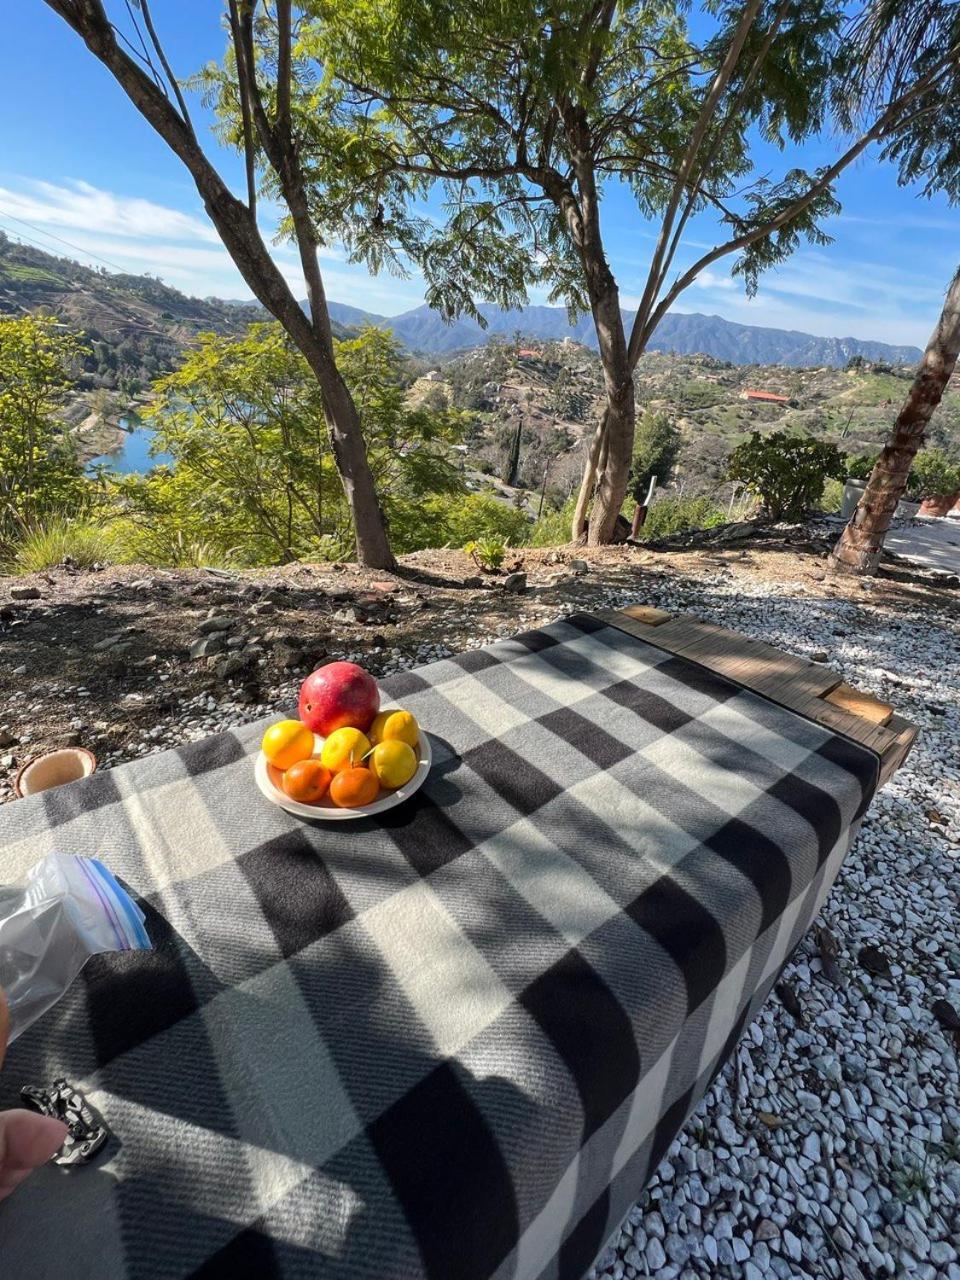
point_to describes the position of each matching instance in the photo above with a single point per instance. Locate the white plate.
(326, 810)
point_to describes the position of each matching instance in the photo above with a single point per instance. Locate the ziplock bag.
(66, 909)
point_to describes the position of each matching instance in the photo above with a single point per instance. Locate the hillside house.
(764, 397)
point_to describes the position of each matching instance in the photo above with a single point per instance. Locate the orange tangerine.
(287, 742)
(306, 781)
(354, 787)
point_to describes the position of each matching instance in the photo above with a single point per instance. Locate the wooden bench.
(809, 688)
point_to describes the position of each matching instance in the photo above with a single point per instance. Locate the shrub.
(81, 542)
(832, 499)
(787, 473)
(553, 528)
(860, 465)
(934, 474)
(672, 515)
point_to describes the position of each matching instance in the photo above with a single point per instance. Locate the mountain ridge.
(422, 330)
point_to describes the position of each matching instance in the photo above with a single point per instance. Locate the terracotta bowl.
(69, 764)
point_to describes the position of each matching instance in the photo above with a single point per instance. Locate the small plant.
(487, 553)
(787, 473)
(81, 543)
(670, 515)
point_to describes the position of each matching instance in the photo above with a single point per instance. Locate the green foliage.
(832, 499)
(669, 515)
(476, 516)
(39, 472)
(254, 480)
(656, 444)
(487, 553)
(553, 528)
(859, 466)
(934, 474)
(58, 540)
(787, 473)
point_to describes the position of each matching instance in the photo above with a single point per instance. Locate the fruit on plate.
(287, 742)
(354, 787)
(388, 725)
(394, 762)
(344, 747)
(306, 781)
(339, 695)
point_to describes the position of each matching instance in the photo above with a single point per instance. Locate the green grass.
(82, 542)
(30, 275)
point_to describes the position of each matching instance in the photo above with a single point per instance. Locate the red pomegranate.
(338, 696)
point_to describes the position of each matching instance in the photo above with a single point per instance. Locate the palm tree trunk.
(861, 543)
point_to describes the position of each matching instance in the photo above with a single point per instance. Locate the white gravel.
(831, 1150)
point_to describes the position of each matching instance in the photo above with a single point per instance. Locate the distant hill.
(423, 330)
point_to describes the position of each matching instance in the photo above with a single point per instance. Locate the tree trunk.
(588, 483)
(861, 543)
(616, 433)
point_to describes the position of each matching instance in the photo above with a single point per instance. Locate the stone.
(819, 655)
(207, 646)
(235, 664)
(515, 582)
(654, 1254)
(766, 1230)
(288, 656)
(475, 583)
(7, 739)
(24, 593)
(578, 566)
(217, 623)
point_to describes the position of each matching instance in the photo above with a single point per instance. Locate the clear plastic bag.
(65, 910)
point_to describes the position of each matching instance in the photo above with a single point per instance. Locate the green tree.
(264, 78)
(656, 444)
(526, 115)
(39, 471)
(253, 476)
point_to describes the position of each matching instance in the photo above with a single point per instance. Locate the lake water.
(133, 456)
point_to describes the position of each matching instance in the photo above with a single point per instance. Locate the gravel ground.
(830, 1145)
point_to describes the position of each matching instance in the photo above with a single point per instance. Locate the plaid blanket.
(452, 1044)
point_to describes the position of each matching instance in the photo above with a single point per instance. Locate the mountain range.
(424, 331)
(137, 326)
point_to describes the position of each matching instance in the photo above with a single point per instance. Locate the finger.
(26, 1142)
(4, 1024)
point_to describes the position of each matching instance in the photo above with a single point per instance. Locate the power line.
(60, 240)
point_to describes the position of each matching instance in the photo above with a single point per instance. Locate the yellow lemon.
(343, 748)
(393, 762)
(287, 743)
(399, 725)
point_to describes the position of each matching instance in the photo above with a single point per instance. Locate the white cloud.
(79, 206)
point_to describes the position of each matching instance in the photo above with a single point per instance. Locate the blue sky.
(78, 163)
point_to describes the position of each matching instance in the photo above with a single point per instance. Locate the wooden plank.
(859, 703)
(647, 614)
(790, 681)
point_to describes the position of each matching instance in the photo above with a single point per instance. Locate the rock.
(475, 583)
(766, 1230)
(24, 593)
(207, 646)
(236, 663)
(7, 739)
(578, 566)
(219, 622)
(515, 582)
(819, 655)
(654, 1254)
(288, 656)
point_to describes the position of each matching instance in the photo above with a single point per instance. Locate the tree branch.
(167, 70)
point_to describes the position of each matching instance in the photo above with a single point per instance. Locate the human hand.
(27, 1140)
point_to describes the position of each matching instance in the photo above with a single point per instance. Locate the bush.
(487, 554)
(832, 499)
(934, 474)
(553, 528)
(83, 543)
(860, 465)
(458, 518)
(672, 515)
(787, 473)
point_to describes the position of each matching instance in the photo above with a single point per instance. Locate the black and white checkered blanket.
(451, 1044)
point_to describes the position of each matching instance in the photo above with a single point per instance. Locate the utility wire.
(60, 240)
